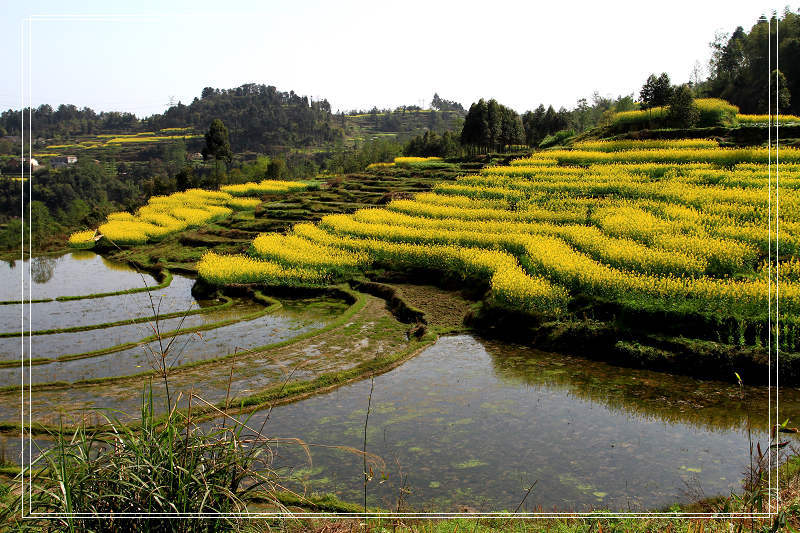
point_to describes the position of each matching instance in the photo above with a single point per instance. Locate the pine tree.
(217, 145)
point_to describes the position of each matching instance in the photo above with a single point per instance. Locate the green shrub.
(712, 112)
(556, 138)
(715, 112)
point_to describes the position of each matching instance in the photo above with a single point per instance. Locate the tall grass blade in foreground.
(168, 465)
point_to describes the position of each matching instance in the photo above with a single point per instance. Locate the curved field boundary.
(164, 274)
(358, 303)
(278, 394)
(294, 391)
(271, 304)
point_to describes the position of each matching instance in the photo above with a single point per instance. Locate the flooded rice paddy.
(239, 376)
(55, 345)
(175, 298)
(75, 273)
(473, 423)
(275, 327)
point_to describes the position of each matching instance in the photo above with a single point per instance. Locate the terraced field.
(280, 210)
(99, 351)
(680, 229)
(96, 343)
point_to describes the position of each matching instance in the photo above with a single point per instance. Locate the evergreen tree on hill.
(217, 145)
(656, 91)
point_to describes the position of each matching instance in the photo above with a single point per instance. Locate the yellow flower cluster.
(82, 239)
(127, 139)
(409, 160)
(174, 130)
(264, 187)
(616, 146)
(528, 214)
(121, 216)
(228, 269)
(294, 250)
(718, 156)
(510, 284)
(243, 204)
(764, 119)
(737, 204)
(623, 253)
(164, 215)
(725, 296)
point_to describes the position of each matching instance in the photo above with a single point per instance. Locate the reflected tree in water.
(42, 269)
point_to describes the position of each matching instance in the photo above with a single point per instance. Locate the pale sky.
(135, 56)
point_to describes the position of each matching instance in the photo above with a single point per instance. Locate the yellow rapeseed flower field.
(668, 224)
(164, 215)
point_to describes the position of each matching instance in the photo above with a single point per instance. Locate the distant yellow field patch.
(151, 138)
(175, 130)
(764, 119)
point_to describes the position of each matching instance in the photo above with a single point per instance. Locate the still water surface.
(473, 423)
(71, 274)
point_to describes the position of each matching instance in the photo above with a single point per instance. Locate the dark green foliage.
(430, 144)
(476, 125)
(277, 169)
(218, 145)
(68, 120)
(355, 159)
(491, 126)
(173, 154)
(683, 113)
(11, 234)
(784, 95)
(186, 179)
(441, 104)
(533, 124)
(656, 91)
(541, 123)
(42, 223)
(79, 196)
(254, 170)
(740, 61)
(7, 147)
(259, 117)
(58, 189)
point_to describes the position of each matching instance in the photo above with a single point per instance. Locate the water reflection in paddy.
(57, 344)
(474, 423)
(177, 297)
(78, 272)
(285, 323)
(260, 370)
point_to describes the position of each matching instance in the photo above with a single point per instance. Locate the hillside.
(259, 119)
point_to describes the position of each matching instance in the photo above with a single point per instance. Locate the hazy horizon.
(357, 55)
